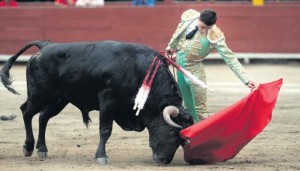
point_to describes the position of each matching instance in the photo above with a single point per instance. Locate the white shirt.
(191, 26)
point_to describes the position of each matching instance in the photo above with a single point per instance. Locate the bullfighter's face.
(203, 28)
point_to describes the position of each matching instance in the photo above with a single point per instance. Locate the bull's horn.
(173, 111)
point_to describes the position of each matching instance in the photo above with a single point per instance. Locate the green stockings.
(194, 97)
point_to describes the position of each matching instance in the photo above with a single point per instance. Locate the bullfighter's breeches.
(194, 97)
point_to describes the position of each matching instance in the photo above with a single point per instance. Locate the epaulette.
(189, 15)
(214, 34)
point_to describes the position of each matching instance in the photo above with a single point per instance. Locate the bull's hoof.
(42, 155)
(102, 161)
(26, 153)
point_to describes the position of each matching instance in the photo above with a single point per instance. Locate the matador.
(196, 36)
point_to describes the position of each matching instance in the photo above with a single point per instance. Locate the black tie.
(192, 33)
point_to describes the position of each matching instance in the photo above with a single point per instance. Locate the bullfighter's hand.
(170, 51)
(253, 85)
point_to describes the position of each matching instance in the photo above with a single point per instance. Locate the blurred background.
(257, 29)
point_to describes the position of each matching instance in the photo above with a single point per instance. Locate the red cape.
(221, 136)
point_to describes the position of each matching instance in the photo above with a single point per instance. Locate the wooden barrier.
(272, 28)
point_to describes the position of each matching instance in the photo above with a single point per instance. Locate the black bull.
(103, 76)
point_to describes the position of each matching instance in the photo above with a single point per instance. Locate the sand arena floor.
(72, 146)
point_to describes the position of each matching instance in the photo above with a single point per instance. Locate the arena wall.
(273, 28)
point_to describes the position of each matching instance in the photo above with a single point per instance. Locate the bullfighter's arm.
(174, 40)
(186, 18)
(217, 38)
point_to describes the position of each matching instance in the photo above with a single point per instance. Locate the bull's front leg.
(105, 132)
(106, 122)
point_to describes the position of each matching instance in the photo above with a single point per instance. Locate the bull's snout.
(161, 160)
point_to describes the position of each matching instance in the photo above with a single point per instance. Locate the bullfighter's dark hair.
(208, 17)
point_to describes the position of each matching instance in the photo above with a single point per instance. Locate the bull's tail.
(6, 79)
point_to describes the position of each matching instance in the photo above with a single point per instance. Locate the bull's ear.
(186, 120)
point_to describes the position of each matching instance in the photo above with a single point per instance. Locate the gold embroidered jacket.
(200, 45)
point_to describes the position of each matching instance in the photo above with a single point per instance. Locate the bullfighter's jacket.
(197, 48)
